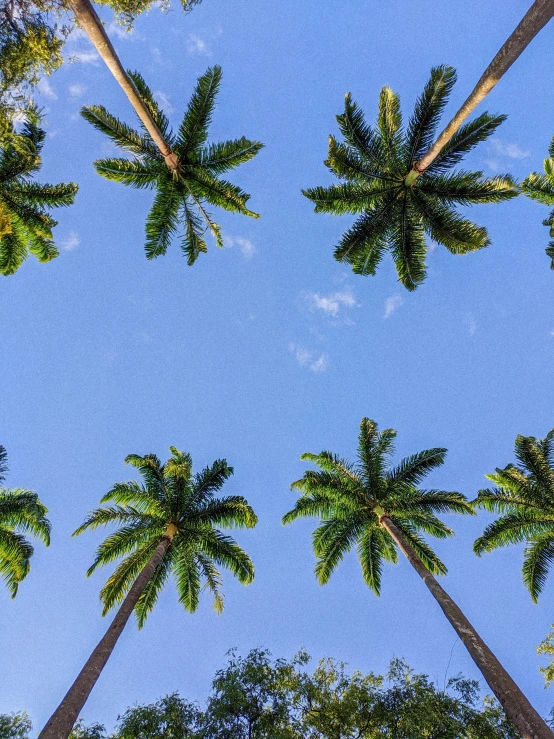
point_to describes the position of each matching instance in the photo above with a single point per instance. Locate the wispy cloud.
(471, 324)
(507, 149)
(163, 100)
(85, 57)
(46, 89)
(77, 90)
(246, 247)
(121, 32)
(71, 242)
(306, 358)
(197, 45)
(332, 303)
(392, 303)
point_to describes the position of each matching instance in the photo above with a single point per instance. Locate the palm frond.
(193, 130)
(538, 558)
(136, 173)
(428, 109)
(119, 132)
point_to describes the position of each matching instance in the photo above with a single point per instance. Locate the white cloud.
(332, 303)
(46, 89)
(119, 31)
(71, 242)
(77, 90)
(196, 45)
(246, 247)
(163, 100)
(308, 359)
(392, 303)
(85, 57)
(471, 324)
(507, 149)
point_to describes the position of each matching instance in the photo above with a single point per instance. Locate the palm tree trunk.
(532, 22)
(66, 714)
(513, 701)
(88, 20)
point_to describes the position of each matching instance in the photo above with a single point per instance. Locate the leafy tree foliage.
(171, 502)
(15, 725)
(351, 500)
(524, 495)
(257, 697)
(180, 195)
(21, 513)
(540, 187)
(397, 214)
(25, 224)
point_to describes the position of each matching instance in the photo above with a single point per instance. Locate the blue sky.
(270, 348)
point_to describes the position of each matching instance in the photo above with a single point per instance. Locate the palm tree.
(180, 193)
(540, 187)
(534, 20)
(21, 513)
(524, 495)
(25, 225)
(166, 525)
(379, 510)
(374, 164)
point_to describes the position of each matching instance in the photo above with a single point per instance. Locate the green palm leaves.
(181, 195)
(540, 187)
(397, 210)
(171, 502)
(21, 513)
(25, 225)
(524, 494)
(351, 498)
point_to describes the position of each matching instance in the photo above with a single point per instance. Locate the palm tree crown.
(172, 503)
(25, 225)
(181, 194)
(351, 499)
(395, 216)
(540, 187)
(524, 494)
(21, 513)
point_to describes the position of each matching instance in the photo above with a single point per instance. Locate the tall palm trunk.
(515, 704)
(532, 22)
(66, 714)
(91, 24)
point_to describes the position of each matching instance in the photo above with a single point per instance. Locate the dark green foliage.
(540, 187)
(180, 197)
(25, 224)
(15, 725)
(171, 495)
(257, 697)
(524, 495)
(350, 499)
(21, 513)
(396, 216)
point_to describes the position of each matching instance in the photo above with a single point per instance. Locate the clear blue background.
(104, 353)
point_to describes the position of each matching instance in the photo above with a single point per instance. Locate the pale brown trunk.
(532, 22)
(88, 20)
(66, 714)
(513, 701)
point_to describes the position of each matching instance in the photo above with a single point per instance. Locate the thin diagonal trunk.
(88, 20)
(66, 714)
(513, 701)
(532, 22)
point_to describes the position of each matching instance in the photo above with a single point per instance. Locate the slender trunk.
(532, 22)
(515, 704)
(66, 714)
(91, 24)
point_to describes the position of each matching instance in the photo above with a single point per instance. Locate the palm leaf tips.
(174, 505)
(524, 496)
(395, 215)
(181, 194)
(353, 500)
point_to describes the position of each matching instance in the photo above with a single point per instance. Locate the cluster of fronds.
(21, 513)
(25, 224)
(351, 498)
(524, 495)
(179, 203)
(395, 216)
(171, 496)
